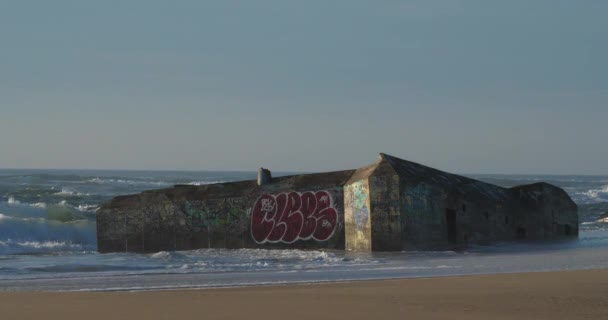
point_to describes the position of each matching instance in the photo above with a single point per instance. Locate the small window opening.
(521, 232)
(487, 215)
(464, 208)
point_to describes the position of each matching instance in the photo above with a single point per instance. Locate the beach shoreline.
(577, 294)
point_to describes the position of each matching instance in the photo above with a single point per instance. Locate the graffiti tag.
(359, 204)
(288, 217)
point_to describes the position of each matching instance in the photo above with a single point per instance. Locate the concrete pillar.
(357, 216)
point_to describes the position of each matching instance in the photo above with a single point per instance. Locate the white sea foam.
(41, 205)
(596, 195)
(13, 201)
(160, 255)
(166, 255)
(95, 180)
(10, 246)
(149, 182)
(5, 217)
(22, 219)
(65, 192)
(87, 208)
(47, 244)
(202, 183)
(127, 181)
(63, 203)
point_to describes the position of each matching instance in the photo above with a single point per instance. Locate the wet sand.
(550, 295)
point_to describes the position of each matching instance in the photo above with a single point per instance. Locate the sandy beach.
(550, 295)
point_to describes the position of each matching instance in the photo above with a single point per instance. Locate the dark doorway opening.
(521, 233)
(567, 230)
(450, 219)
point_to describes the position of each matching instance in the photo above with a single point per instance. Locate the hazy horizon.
(282, 172)
(469, 87)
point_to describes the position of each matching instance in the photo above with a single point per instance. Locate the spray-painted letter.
(288, 217)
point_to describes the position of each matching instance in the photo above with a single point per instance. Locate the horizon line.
(291, 171)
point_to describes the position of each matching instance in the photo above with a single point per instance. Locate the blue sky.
(465, 86)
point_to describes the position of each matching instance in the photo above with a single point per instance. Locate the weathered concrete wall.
(481, 213)
(547, 212)
(422, 215)
(291, 212)
(478, 220)
(176, 219)
(385, 208)
(358, 228)
(524, 215)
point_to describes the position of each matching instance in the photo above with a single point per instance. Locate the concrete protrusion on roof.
(264, 176)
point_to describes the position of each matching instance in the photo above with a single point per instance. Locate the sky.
(518, 86)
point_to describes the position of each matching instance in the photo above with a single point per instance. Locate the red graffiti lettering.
(288, 217)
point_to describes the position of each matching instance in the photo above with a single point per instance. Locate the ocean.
(47, 240)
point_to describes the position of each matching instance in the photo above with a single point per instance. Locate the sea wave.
(128, 181)
(41, 205)
(65, 192)
(595, 195)
(13, 201)
(60, 230)
(83, 207)
(6, 217)
(10, 246)
(146, 182)
(202, 183)
(87, 208)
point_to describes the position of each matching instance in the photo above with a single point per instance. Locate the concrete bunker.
(390, 205)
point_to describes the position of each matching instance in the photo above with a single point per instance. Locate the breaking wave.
(129, 181)
(10, 246)
(12, 201)
(63, 203)
(201, 183)
(87, 208)
(65, 192)
(146, 182)
(43, 228)
(596, 195)
(26, 235)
